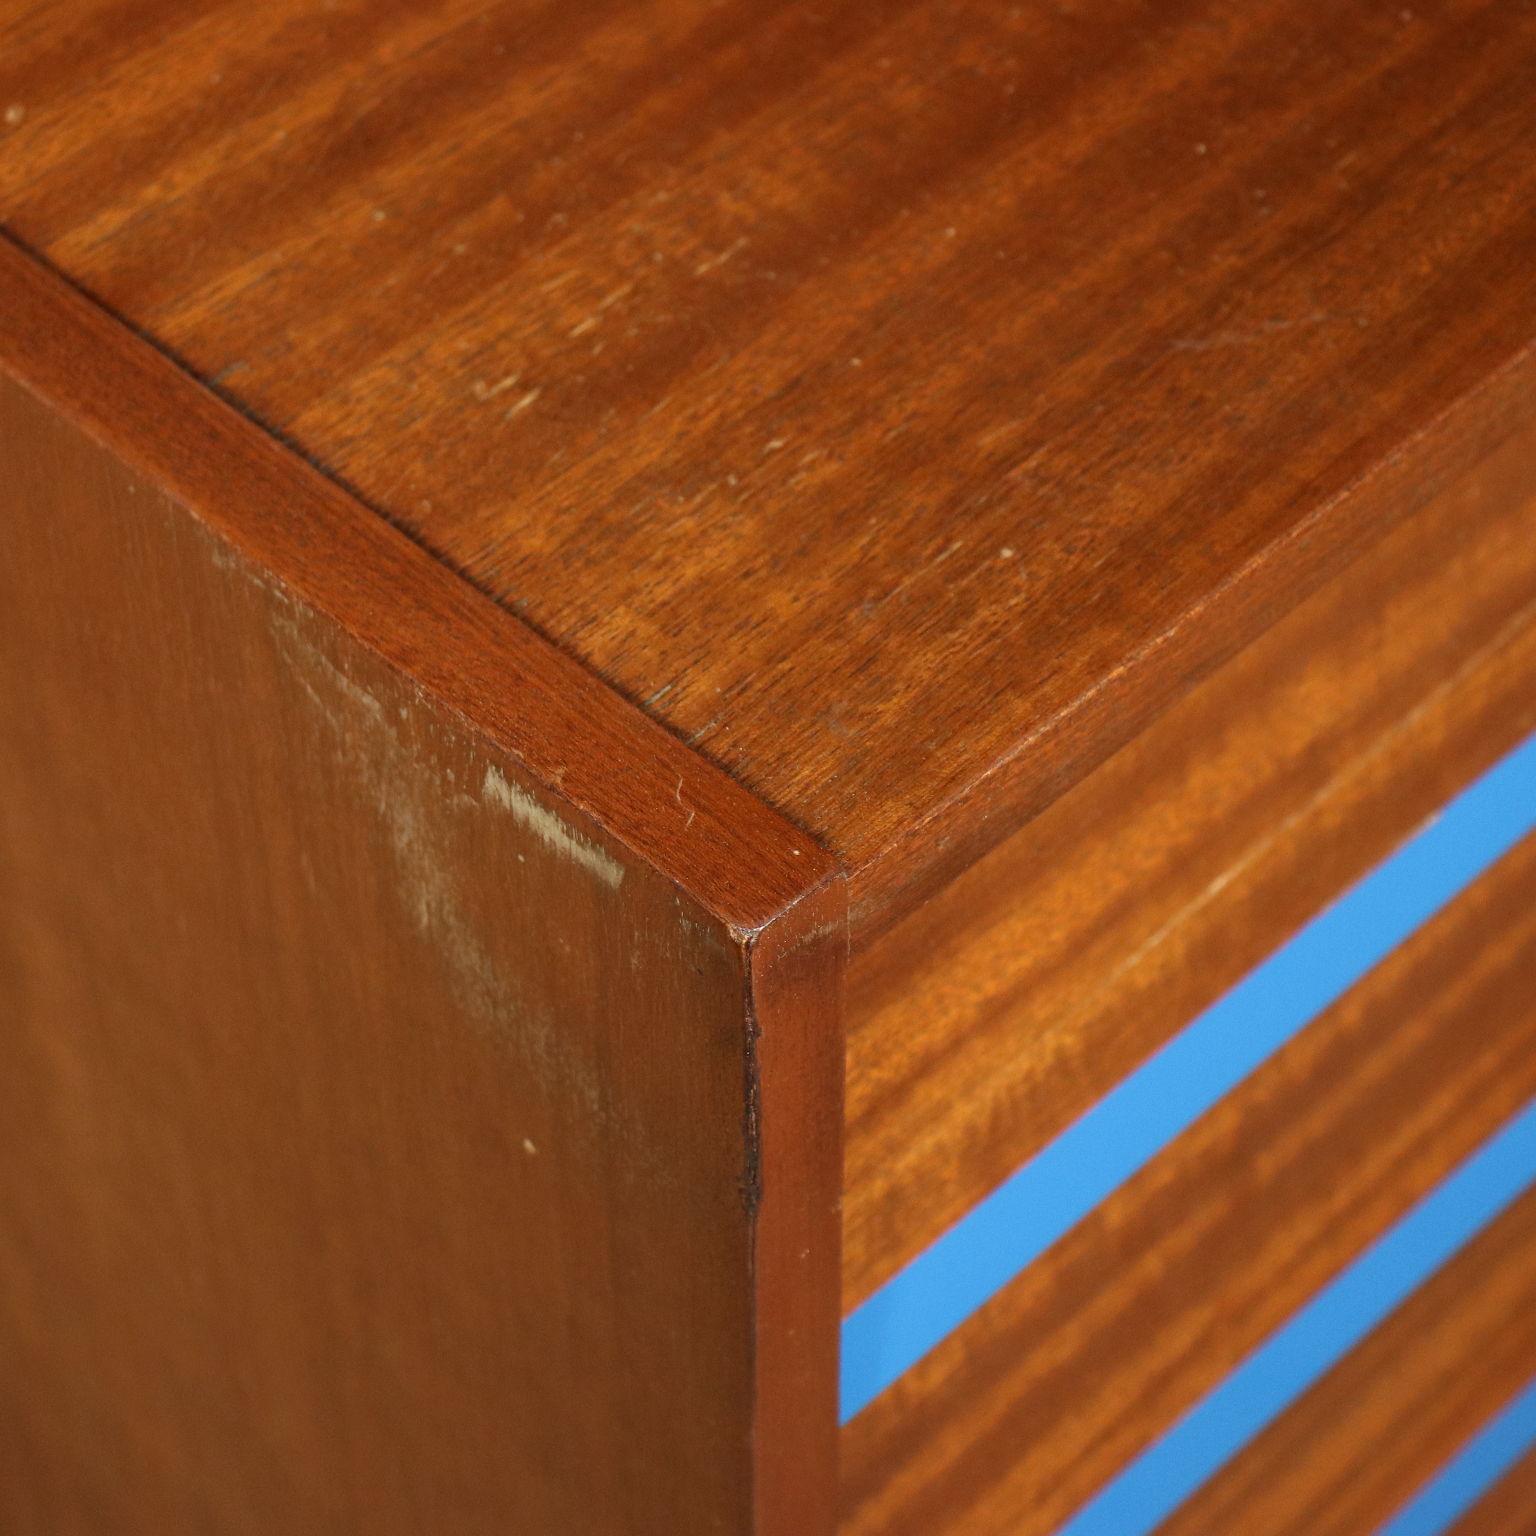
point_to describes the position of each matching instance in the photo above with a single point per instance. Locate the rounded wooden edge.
(740, 859)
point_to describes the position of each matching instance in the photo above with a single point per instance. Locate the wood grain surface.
(1338, 1462)
(901, 401)
(617, 768)
(531, 532)
(390, 1137)
(985, 1023)
(1105, 1341)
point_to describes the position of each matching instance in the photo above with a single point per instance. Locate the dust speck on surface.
(15, 115)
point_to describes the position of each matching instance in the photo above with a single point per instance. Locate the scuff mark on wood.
(491, 996)
(549, 829)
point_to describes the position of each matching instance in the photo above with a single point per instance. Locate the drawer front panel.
(1504, 1509)
(1072, 1214)
(996, 1015)
(1395, 1395)
(1090, 1356)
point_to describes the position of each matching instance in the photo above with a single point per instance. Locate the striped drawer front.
(1304, 1225)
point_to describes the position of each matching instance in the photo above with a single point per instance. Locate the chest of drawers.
(767, 768)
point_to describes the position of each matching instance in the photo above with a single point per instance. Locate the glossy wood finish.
(377, 1092)
(984, 1024)
(1101, 1345)
(1414, 1392)
(901, 401)
(1034, 498)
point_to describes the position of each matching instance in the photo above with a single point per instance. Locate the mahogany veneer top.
(900, 401)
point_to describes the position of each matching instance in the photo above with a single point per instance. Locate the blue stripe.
(1480, 1463)
(1150, 1488)
(1050, 1194)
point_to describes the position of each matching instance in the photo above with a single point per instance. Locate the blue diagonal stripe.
(1471, 1472)
(1054, 1190)
(1150, 1488)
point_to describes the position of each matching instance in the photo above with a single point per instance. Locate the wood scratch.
(678, 796)
(1243, 338)
(484, 391)
(713, 262)
(549, 828)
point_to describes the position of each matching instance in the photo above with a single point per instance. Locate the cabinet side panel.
(371, 1141)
